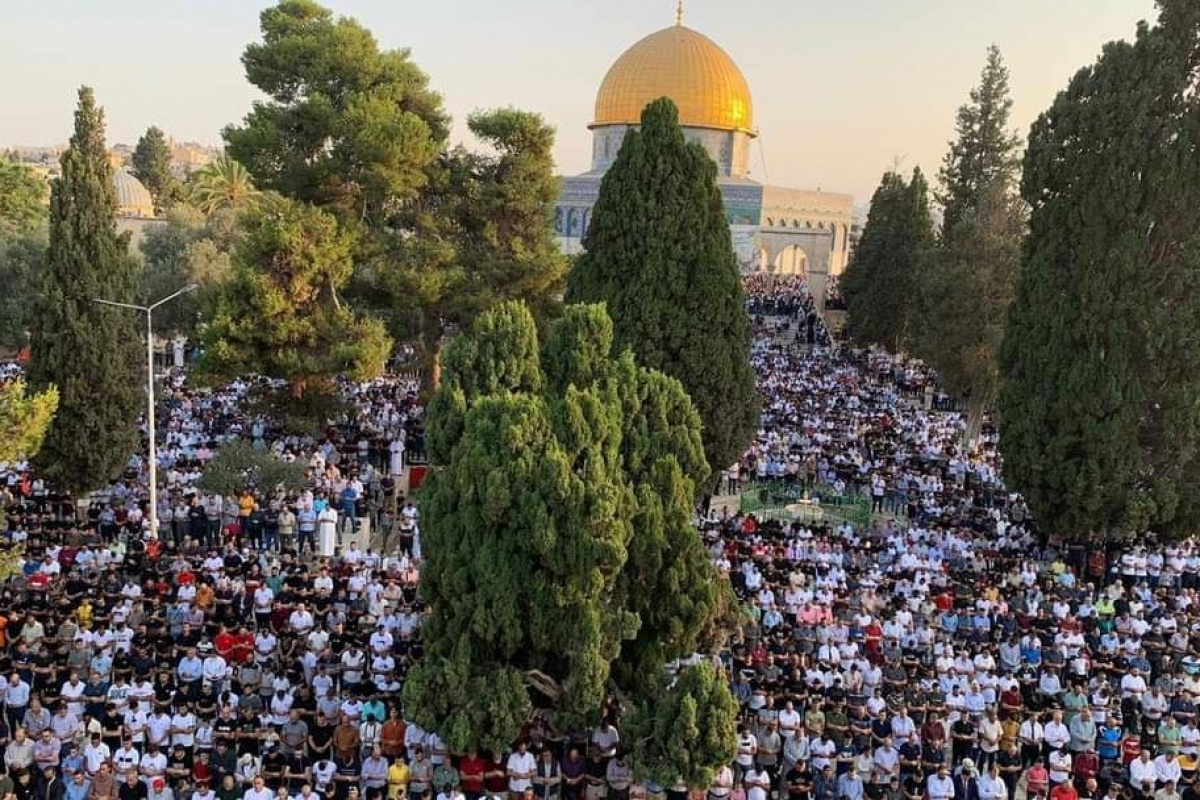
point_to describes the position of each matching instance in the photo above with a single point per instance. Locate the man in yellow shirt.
(397, 779)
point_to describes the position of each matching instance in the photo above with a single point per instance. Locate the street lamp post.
(153, 455)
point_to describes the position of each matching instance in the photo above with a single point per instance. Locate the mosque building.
(774, 229)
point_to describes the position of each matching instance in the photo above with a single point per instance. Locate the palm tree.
(222, 184)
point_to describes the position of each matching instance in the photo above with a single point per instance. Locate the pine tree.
(151, 163)
(91, 352)
(281, 314)
(986, 152)
(1100, 359)
(658, 254)
(882, 281)
(561, 558)
(347, 126)
(967, 285)
(969, 278)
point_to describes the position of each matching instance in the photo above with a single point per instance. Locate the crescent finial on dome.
(679, 13)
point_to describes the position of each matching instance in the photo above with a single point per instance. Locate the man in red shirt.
(1064, 791)
(1085, 765)
(470, 770)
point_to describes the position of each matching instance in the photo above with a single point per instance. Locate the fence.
(789, 502)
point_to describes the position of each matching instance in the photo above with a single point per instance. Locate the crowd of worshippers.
(947, 650)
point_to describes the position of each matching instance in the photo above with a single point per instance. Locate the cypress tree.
(882, 281)
(659, 255)
(561, 556)
(985, 152)
(151, 163)
(91, 352)
(1100, 359)
(968, 280)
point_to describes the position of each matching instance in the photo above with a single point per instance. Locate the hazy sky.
(840, 88)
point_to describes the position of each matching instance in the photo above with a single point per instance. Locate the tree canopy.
(24, 420)
(280, 314)
(189, 249)
(658, 254)
(22, 198)
(223, 185)
(1100, 359)
(882, 282)
(484, 233)
(348, 126)
(91, 352)
(238, 466)
(558, 534)
(967, 280)
(986, 152)
(151, 162)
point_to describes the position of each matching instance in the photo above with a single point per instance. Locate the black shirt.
(134, 791)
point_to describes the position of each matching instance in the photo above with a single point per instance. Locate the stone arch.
(791, 260)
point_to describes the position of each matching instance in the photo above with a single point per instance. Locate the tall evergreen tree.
(969, 278)
(357, 131)
(151, 163)
(91, 352)
(484, 233)
(967, 285)
(348, 126)
(281, 313)
(986, 152)
(882, 281)
(1100, 359)
(659, 255)
(561, 558)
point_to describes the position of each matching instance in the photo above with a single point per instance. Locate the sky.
(842, 90)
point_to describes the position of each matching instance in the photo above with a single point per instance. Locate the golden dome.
(686, 66)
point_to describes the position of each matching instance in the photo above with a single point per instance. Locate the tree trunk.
(977, 407)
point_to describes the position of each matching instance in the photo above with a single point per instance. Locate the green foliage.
(24, 420)
(986, 152)
(967, 284)
(682, 729)
(558, 530)
(482, 234)
(968, 280)
(238, 466)
(22, 269)
(1100, 359)
(446, 233)
(22, 198)
(659, 255)
(882, 279)
(223, 185)
(281, 315)
(91, 352)
(189, 249)
(347, 126)
(151, 162)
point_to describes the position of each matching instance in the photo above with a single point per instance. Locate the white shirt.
(521, 764)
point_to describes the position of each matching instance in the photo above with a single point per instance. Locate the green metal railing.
(791, 502)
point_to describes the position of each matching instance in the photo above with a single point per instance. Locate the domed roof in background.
(133, 199)
(686, 66)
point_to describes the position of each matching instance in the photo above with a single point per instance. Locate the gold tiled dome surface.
(686, 66)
